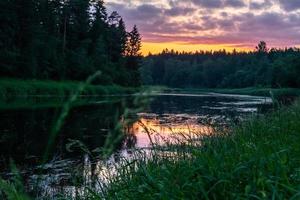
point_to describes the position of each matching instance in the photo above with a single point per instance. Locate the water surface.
(24, 133)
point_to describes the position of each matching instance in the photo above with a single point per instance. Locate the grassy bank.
(259, 159)
(24, 88)
(277, 92)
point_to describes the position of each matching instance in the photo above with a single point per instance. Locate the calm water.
(24, 134)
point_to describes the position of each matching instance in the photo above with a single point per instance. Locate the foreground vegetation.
(256, 160)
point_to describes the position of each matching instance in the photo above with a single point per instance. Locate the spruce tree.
(133, 55)
(134, 43)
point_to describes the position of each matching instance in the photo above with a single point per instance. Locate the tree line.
(67, 40)
(220, 69)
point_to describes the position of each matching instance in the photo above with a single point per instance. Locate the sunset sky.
(192, 25)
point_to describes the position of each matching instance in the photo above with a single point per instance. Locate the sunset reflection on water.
(157, 131)
(169, 118)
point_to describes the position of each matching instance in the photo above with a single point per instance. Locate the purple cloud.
(208, 4)
(260, 5)
(214, 22)
(179, 11)
(219, 3)
(290, 5)
(235, 3)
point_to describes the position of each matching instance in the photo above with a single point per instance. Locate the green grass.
(24, 88)
(263, 91)
(277, 92)
(259, 159)
(18, 94)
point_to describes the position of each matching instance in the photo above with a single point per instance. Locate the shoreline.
(256, 158)
(48, 88)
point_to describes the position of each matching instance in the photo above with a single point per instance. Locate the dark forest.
(263, 67)
(66, 40)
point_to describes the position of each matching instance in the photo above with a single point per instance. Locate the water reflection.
(168, 118)
(149, 131)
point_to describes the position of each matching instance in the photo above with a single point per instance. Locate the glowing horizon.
(194, 25)
(156, 48)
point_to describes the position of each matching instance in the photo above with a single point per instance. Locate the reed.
(258, 159)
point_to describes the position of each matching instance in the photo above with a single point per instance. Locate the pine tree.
(122, 37)
(62, 39)
(9, 52)
(262, 47)
(27, 37)
(98, 25)
(133, 55)
(79, 22)
(115, 39)
(134, 43)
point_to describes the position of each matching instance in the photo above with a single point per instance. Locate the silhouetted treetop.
(262, 47)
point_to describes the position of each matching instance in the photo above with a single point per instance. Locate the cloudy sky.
(211, 24)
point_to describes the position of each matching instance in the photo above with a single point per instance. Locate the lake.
(74, 160)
